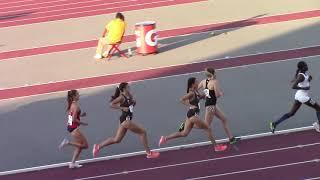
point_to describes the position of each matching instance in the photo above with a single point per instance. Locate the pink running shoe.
(153, 155)
(95, 150)
(220, 147)
(162, 141)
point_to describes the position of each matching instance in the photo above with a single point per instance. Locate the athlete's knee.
(84, 146)
(143, 132)
(207, 123)
(184, 134)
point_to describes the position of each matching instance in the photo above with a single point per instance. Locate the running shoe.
(74, 165)
(153, 155)
(162, 141)
(234, 140)
(316, 126)
(220, 147)
(95, 150)
(272, 127)
(181, 127)
(98, 56)
(64, 142)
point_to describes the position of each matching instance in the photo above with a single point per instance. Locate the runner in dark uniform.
(124, 101)
(212, 91)
(191, 99)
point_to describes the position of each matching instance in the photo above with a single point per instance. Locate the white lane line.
(188, 63)
(193, 33)
(119, 156)
(81, 12)
(59, 5)
(201, 161)
(314, 178)
(143, 80)
(37, 3)
(257, 169)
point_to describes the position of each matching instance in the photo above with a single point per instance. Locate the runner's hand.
(125, 109)
(84, 124)
(84, 114)
(193, 107)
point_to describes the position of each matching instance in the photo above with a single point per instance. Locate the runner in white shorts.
(301, 83)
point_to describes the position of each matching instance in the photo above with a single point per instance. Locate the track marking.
(81, 12)
(257, 169)
(314, 178)
(66, 4)
(251, 136)
(165, 33)
(106, 84)
(208, 160)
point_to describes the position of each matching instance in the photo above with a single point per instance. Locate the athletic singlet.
(195, 102)
(303, 95)
(305, 82)
(211, 98)
(71, 123)
(128, 102)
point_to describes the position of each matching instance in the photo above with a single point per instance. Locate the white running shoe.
(74, 165)
(98, 56)
(316, 126)
(64, 142)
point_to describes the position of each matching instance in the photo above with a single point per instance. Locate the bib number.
(70, 120)
(207, 93)
(131, 108)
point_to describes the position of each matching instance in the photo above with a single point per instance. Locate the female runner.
(212, 91)
(73, 124)
(191, 99)
(124, 101)
(301, 83)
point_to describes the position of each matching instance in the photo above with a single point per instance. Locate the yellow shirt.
(116, 29)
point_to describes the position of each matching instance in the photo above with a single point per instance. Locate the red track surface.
(16, 13)
(159, 72)
(163, 34)
(293, 156)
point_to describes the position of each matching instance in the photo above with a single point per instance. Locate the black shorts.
(210, 102)
(193, 112)
(125, 116)
(70, 129)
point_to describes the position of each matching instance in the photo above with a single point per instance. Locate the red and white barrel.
(146, 37)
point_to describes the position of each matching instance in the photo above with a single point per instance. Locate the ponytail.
(210, 71)
(116, 94)
(70, 98)
(119, 89)
(191, 81)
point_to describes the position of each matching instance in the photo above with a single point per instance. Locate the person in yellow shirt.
(112, 34)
